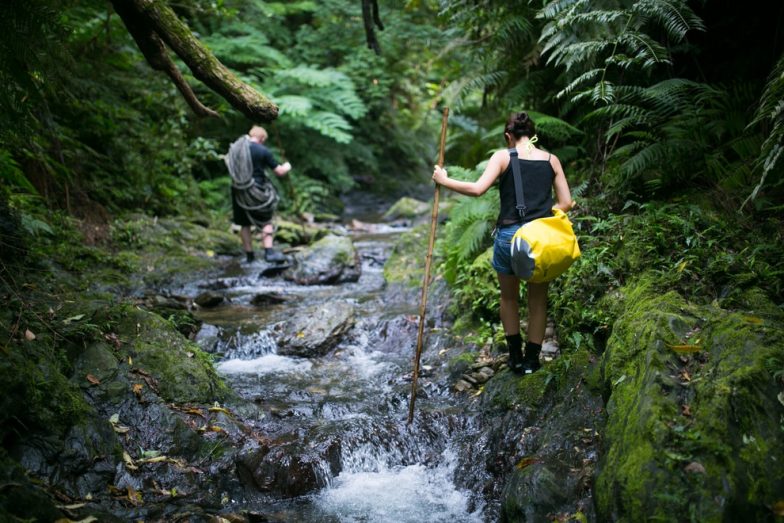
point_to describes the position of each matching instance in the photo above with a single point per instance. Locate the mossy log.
(152, 22)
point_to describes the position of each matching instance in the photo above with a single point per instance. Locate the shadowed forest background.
(668, 117)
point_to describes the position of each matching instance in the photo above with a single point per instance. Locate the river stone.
(268, 298)
(406, 207)
(314, 330)
(209, 299)
(290, 468)
(332, 259)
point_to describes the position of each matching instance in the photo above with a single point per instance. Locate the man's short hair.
(258, 132)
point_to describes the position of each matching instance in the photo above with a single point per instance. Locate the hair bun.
(520, 124)
(522, 118)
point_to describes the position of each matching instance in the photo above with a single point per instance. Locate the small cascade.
(372, 488)
(339, 420)
(249, 346)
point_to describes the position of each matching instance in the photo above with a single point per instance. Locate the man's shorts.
(502, 249)
(240, 215)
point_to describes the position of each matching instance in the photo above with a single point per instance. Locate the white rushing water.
(397, 494)
(387, 474)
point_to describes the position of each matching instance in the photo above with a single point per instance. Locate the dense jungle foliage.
(666, 114)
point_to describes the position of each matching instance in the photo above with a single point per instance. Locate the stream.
(343, 415)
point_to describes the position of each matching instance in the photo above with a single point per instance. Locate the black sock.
(532, 350)
(249, 256)
(514, 343)
(531, 357)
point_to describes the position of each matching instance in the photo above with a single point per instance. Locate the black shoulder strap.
(518, 183)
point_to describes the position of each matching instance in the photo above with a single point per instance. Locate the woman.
(541, 173)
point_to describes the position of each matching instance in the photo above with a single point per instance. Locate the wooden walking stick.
(426, 280)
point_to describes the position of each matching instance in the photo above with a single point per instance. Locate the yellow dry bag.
(543, 249)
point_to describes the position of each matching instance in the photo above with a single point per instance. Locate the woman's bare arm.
(563, 196)
(495, 167)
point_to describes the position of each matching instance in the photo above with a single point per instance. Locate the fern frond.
(554, 128)
(770, 112)
(587, 76)
(331, 125)
(294, 105)
(676, 17)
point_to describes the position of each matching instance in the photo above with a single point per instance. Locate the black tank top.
(537, 178)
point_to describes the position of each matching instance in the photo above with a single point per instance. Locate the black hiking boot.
(273, 256)
(531, 358)
(514, 344)
(250, 257)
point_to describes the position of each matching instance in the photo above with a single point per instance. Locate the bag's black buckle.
(521, 210)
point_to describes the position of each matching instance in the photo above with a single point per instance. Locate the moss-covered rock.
(406, 262)
(694, 422)
(184, 373)
(294, 233)
(406, 208)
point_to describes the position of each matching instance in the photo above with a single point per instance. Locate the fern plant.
(467, 233)
(597, 43)
(770, 116)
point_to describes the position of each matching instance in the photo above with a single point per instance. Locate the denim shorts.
(502, 247)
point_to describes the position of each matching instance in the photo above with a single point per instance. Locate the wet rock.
(478, 378)
(315, 330)
(331, 260)
(292, 468)
(208, 338)
(268, 298)
(532, 493)
(209, 299)
(96, 362)
(91, 447)
(394, 335)
(270, 271)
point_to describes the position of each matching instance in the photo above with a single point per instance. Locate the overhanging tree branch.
(152, 22)
(371, 20)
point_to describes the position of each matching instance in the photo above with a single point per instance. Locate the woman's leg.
(510, 319)
(537, 321)
(537, 311)
(510, 307)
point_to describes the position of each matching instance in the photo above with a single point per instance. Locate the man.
(246, 208)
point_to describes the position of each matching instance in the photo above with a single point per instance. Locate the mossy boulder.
(183, 372)
(294, 233)
(406, 208)
(333, 259)
(406, 262)
(694, 412)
